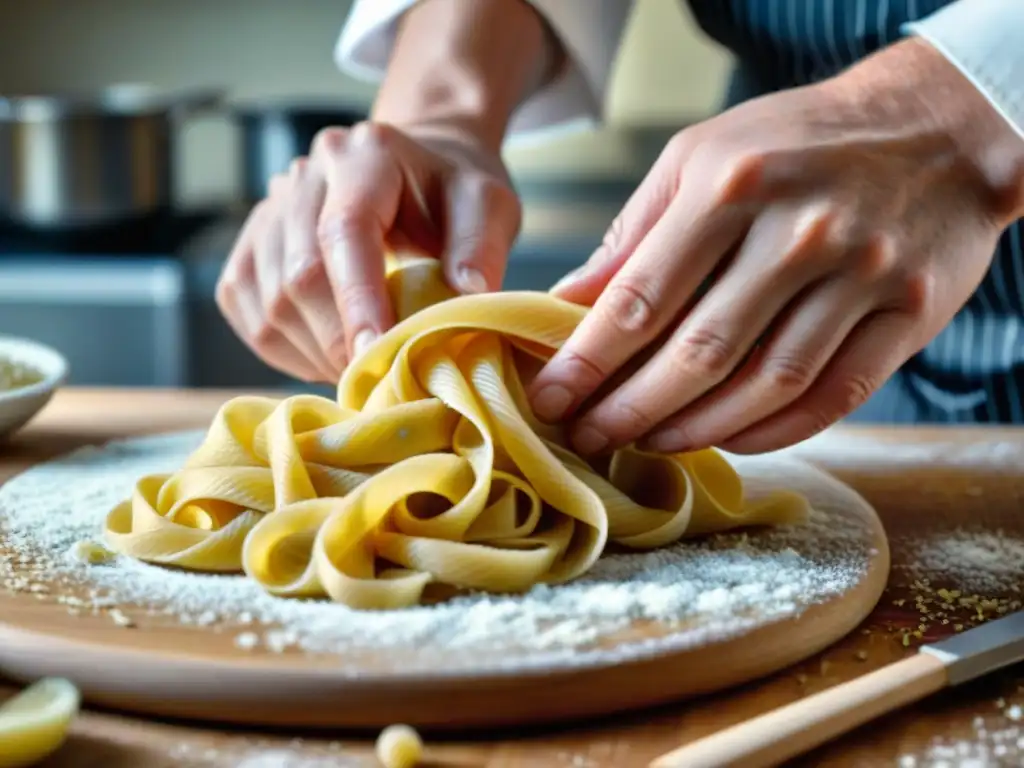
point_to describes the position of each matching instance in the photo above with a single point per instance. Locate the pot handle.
(186, 104)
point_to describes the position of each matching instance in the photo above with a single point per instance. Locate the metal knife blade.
(979, 651)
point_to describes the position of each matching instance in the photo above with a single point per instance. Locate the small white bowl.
(18, 406)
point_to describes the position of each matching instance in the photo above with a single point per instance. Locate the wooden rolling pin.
(793, 730)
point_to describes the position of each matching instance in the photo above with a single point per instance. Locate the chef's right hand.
(304, 284)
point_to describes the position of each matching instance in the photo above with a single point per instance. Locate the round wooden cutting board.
(160, 666)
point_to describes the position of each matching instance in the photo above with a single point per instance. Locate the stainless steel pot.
(92, 159)
(276, 132)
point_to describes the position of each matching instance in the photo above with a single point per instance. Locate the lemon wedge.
(35, 723)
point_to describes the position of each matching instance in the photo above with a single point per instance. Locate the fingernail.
(551, 403)
(668, 441)
(472, 281)
(363, 341)
(588, 440)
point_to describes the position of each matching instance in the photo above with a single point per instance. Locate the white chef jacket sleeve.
(984, 39)
(589, 31)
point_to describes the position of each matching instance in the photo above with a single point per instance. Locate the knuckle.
(847, 395)
(613, 239)
(682, 144)
(370, 134)
(914, 290)
(794, 257)
(690, 433)
(876, 257)
(330, 141)
(818, 421)
(355, 297)
(816, 230)
(298, 167)
(839, 228)
(854, 391)
(224, 292)
(706, 352)
(625, 420)
(352, 217)
(1005, 196)
(631, 306)
(265, 337)
(238, 270)
(278, 309)
(585, 373)
(787, 374)
(741, 175)
(303, 271)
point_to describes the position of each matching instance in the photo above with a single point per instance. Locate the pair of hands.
(837, 227)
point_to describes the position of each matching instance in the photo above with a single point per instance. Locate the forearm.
(466, 64)
(982, 39)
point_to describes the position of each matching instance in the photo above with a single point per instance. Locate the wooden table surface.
(912, 492)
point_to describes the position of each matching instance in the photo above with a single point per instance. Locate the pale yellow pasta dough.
(428, 468)
(35, 723)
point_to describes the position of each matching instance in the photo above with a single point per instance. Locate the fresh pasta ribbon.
(428, 468)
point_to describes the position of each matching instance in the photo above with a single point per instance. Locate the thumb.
(642, 211)
(483, 219)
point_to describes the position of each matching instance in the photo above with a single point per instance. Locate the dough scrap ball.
(399, 746)
(91, 552)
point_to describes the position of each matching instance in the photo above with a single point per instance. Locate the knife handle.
(793, 730)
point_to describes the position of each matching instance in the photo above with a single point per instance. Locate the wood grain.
(912, 496)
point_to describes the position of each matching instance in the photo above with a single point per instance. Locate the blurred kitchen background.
(128, 298)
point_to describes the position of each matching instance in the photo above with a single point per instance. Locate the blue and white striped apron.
(974, 370)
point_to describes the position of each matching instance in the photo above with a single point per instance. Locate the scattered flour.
(700, 591)
(242, 756)
(978, 560)
(993, 745)
(280, 758)
(247, 640)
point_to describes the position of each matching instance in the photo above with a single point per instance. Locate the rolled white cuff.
(589, 30)
(984, 39)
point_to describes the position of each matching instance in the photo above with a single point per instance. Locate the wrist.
(914, 86)
(465, 66)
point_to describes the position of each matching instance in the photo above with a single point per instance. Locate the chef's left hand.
(841, 225)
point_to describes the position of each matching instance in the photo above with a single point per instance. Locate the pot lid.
(125, 99)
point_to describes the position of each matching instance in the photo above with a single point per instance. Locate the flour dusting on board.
(702, 591)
